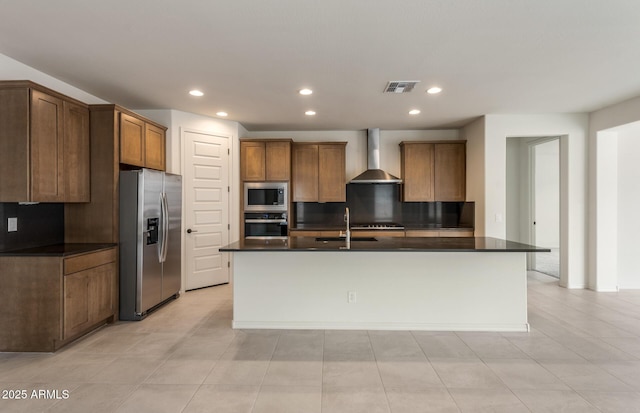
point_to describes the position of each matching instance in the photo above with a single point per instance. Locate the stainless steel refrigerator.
(150, 242)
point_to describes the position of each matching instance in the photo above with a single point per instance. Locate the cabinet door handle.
(189, 231)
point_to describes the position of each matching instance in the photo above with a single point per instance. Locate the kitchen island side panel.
(440, 291)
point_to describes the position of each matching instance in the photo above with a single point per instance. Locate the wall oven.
(265, 225)
(266, 196)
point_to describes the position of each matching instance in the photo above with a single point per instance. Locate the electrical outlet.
(351, 297)
(12, 224)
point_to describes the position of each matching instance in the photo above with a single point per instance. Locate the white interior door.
(206, 188)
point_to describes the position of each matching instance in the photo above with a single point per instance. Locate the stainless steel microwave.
(266, 196)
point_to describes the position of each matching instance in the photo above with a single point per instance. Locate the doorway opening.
(618, 200)
(533, 199)
(545, 195)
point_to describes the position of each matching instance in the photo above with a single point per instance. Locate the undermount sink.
(326, 239)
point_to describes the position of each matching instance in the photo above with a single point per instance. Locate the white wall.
(607, 205)
(572, 129)
(628, 206)
(356, 151)
(602, 258)
(11, 69)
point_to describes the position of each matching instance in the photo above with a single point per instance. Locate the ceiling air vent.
(400, 86)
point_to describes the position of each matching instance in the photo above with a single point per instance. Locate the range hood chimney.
(373, 174)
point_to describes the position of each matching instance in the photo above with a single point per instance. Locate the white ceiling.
(251, 56)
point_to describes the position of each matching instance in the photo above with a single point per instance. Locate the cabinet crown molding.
(118, 108)
(18, 84)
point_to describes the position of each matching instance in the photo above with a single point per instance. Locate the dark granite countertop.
(436, 228)
(60, 250)
(382, 244)
(409, 227)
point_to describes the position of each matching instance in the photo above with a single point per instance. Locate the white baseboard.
(378, 326)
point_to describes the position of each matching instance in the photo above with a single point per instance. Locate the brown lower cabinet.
(307, 233)
(377, 233)
(445, 233)
(50, 301)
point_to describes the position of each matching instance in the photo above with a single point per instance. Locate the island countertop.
(57, 250)
(382, 244)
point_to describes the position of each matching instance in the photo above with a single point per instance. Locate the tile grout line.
(324, 341)
(375, 359)
(253, 406)
(438, 374)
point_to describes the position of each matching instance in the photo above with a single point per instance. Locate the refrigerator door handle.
(165, 227)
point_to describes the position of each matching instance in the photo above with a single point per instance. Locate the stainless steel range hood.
(373, 174)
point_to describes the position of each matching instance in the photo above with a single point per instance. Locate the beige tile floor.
(582, 355)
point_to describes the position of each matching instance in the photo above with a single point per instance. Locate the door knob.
(189, 231)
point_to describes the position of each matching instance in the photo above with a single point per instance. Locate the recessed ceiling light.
(222, 114)
(310, 113)
(434, 90)
(195, 92)
(305, 91)
(414, 111)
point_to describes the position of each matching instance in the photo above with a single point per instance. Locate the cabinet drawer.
(427, 233)
(90, 260)
(307, 233)
(377, 233)
(456, 233)
(448, 233)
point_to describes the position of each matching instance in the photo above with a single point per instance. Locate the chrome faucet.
(348, 231)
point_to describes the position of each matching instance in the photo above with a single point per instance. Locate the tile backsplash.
(381, 203)
(38, 225)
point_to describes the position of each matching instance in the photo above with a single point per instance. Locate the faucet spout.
(348, 231)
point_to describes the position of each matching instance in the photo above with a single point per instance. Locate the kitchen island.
(443, 284)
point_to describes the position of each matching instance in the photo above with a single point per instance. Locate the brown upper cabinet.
(154, 147)
(450, 171)
(131, 140)
(416, 170)
(142, 143)
(112, 127)
(318, 172)
(44, 145)
(433, 171)
(265, 160)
